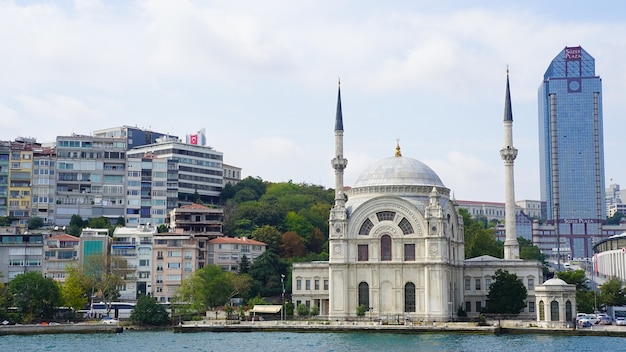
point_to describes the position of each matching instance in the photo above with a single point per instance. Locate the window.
(487, 283)
(385, 215)
(364, 295)
(385, 248)
(409, 297)
(159, 289)
(307, 285)
(317, 285)
(405, 226)
(366, 227)
(326, 285)
(468, 307)
(159, 254)
(187, 266)
(144, 262)
(478, 288)
(554, 311)
(409, 252)
(542, 311)
(568, 311)
(298, 284)
(531, 284)
(159, 279)
(531, 307)
(479, 306)
(468, 284)
(173, 265)
(363, 254)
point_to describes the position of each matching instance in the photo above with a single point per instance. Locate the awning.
(266, 308)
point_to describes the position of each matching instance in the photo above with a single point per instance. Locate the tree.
(528, 251)
(584, 297)
(360, 310)
(148, 312)
(303, 310)
(268, 235)
(73, 290)
(106, 273)
(506, 294)
(265, 272)
(612, 293)
(615, 219)
(208, 287)
(315, 243)
(479, 240)
(315, 311)
(291, 245)
(244, 265)
(35, 296)
(35, 222)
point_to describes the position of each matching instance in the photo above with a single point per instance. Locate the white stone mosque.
(396, 246)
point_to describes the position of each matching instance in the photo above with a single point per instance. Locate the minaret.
(339, 163)
(508, 154)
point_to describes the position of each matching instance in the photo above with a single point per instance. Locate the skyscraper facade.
(571, 151)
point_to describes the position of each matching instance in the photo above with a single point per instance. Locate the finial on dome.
(398, 153)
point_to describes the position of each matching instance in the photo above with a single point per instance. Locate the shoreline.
(314, 327)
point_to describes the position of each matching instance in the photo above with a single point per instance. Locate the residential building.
(20, 179)
(93, 242)
(196, 218)
(21, 252)
(44, 184)
(200, 172)
(134, 244)
(175, 257)
(232, 174)
(91, 178)
(152, 189)
(134, 136)
(60, 251)
(572, 151)
(227, 252)
(5, 156)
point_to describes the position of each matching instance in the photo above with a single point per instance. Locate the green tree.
(612, 293)
(315, 311)
(208, 287)
(315, 242)
(303, 310)
(269, 235)
(479, 240)
(615, 219)
(34, 223)
(528, 251)
(148, 312)
(584, 297)
(244, 265)
(297, 223)
(265, 271)
(507, 294)
(360, 310)
(73, 290)
(35, 296)
(104, 274)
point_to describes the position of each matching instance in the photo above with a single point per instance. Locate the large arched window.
(568, 311)
(385, 248)
(364, 295)
(542, 311)
(554, 311)
(409, 297)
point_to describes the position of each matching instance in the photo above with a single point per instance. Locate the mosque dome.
(398, 171)
(555, 282)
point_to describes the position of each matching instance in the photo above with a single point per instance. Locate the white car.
(109, 321)
(620, 321)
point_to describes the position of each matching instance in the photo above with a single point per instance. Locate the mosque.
(396, 245)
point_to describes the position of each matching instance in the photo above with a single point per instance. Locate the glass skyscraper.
(571, 150)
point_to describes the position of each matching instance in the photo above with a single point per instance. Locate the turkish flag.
(193, 139)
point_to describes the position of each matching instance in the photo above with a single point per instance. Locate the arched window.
(366, 227)
(554, 311)
(364, 295)
(568, 311)
(409, 297)
(542, 311)
(385, 248)
(405, 226)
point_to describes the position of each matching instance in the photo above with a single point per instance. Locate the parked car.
(109, 321)
(605, 320)
(621, 321)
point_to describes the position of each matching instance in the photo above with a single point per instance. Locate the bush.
(302, 310)
(360, 311)
(149, 312)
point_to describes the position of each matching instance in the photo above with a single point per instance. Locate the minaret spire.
(339, 163)
(508, 154)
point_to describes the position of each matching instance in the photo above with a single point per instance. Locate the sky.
(261, 78)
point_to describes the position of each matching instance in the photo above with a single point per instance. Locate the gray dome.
(398, 171)
(555, 282)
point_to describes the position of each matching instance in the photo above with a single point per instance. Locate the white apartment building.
(135, 246)
(227, 252)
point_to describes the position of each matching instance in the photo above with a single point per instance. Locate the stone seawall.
(58, 329)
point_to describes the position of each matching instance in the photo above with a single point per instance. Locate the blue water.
(166, 341)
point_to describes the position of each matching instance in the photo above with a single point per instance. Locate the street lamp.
(282, 281)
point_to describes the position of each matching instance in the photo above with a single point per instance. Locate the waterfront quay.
(492, 327)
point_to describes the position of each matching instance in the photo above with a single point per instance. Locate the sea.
(166, 341)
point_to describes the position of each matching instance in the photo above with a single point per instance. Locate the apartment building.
(60, 251)
(21, 252)
(135, 246)
(227, 252)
